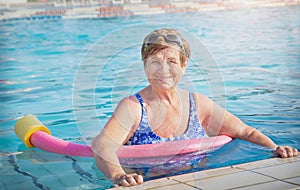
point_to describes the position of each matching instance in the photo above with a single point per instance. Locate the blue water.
(71, 73)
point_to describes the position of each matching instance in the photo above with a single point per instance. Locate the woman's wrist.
(274, 149)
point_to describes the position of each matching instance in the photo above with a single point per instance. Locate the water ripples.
(257, 54)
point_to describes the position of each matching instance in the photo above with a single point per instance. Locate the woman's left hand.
(286, 151)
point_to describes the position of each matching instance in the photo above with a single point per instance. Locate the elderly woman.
(164, 112)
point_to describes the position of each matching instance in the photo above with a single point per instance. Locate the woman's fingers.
(286, 151)
(123, 182)
(281, 151)
(129, 180)
(139, 179)
(296, 153)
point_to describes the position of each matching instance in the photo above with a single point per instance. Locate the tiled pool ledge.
(273, 174)
(38, 12)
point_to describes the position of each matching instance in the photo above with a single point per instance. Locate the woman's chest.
(168, 122)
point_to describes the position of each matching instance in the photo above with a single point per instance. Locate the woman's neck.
(168, 97)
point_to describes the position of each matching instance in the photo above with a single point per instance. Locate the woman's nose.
(164, 67)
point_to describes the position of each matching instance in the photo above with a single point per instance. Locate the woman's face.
(164, 69)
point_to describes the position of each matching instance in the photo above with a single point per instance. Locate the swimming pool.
(257, 56)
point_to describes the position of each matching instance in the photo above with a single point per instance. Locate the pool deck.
(55, 10)
(273, 174)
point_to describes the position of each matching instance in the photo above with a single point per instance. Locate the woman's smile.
(164, 78)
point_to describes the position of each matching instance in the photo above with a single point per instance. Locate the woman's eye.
(155, 62)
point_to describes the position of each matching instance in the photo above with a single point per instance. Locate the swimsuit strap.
(193, 111)
(144, 123)
(139, 97)
(192, 102)
(194, 127)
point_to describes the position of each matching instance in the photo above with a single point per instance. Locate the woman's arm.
(218, 121)
(115, 133)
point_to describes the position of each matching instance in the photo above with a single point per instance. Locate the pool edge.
(275, 173)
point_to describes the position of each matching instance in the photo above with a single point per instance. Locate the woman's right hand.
(128, 179)
(286, 151)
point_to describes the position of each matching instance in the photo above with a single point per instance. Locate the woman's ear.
(185, 63)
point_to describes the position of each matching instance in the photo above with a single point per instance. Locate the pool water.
(254, 54)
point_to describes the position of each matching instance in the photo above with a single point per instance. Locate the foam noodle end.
(26, 126)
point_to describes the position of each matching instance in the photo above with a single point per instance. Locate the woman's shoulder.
(129, 104)
(129, 101)
(200, 98)
(203, 103)
(128, 109)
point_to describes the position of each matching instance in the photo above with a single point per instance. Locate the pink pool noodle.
(173, 147)
(49, 143)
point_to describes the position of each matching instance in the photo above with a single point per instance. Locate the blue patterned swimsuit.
(145, 135)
